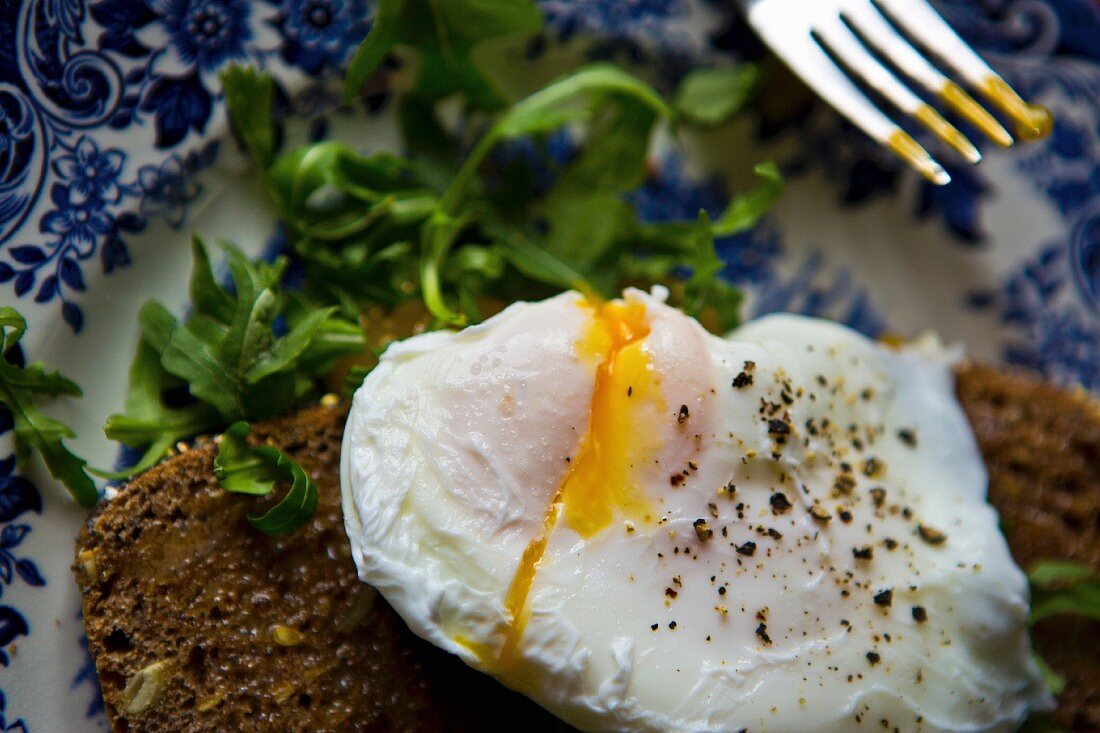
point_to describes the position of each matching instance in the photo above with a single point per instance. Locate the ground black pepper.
(863, 553)
(931, 535)
(780, 503)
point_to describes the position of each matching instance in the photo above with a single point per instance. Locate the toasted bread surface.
(214, 626)
(1041, 447)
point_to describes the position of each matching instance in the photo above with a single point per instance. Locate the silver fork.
(809, 34)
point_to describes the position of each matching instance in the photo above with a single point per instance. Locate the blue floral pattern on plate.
(121, 66)
(110, 114)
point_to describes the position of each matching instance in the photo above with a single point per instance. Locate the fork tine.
(922, 21)
(848, 47)
(869, 21)
(810, 62)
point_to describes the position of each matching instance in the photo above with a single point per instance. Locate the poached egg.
(645, 527)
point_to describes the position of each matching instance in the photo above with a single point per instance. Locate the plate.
(113, 148)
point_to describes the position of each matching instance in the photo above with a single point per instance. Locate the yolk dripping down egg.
(600, 482)
(645, 527)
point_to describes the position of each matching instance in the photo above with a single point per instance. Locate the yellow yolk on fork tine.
(601, 482)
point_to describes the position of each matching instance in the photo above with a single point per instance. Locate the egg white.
(458, 446)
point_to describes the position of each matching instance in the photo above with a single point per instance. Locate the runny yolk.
(600, 483)
(602, 478)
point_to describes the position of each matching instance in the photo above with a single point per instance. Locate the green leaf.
(475, 261)
(370, 177)
(354, 380)
(440, 232)
(228, 354)
(298, 175)
(444, 32)
(148, 422)
(156, 324)
(299, 504)
(1063, 588)
(711, 96)
(11, 319)
(539, 111)
(745, 210)
(244, 469)
(537, 263)
(239, 468)
(19, 388)
(1081, 600)
(587, 210)
(196, 361)
(329, 192)
(44, 435)
(705, 265)
(334, 339)
(34, 378)
(248, 96)
(207, 297)
(250, 332)
(584, 227)
(615, 151)
(1054, 682)
(706, 288)
(530, 115)
(284, 352)
(585, 216)
(1057, 572)
(432, 150)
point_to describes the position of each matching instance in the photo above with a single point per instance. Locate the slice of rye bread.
(198, 622)
(176, 583)
(1041, 447)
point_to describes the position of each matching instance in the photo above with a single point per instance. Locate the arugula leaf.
(432, 151)
(1054, 682)
(711, 96)
(536, 262)
(207, 297)
(45, 435)
(1060, 587)
(540, 112)
(11, 319)
(353, 380)
(745, 210)
(148, 422)
(248, 95)
(375, 229)
(255, 470)
(326, 191)
(239, 365)
(19, 387)
(587, 211)
(444, 32)
(1054, 573)
(591, 86)
(228, 355)
(705, 288)
(1063, 587)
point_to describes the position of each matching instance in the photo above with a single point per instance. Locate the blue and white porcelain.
(113, 148)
